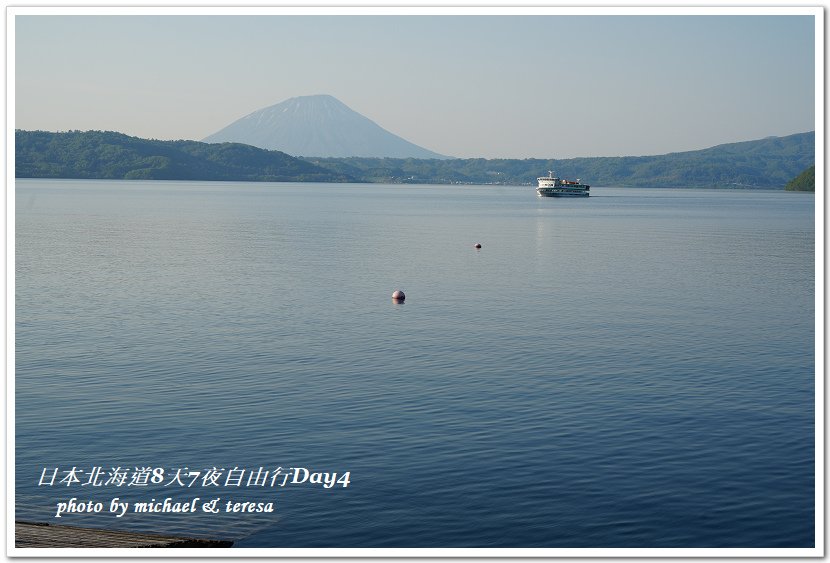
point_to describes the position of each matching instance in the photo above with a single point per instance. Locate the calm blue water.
(635, 369)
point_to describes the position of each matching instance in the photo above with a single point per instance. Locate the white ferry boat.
(551, 186)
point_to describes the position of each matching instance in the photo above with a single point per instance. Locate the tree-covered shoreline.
(804, 182)
(763, 164)
(110, 155)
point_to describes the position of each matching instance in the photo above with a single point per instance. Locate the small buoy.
(478, 245)
(398, 295)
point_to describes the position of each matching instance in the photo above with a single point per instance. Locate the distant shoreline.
(768, 163)
(529, 187)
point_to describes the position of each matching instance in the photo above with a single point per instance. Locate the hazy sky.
(547, 86)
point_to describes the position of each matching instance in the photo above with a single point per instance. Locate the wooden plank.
(31, 534)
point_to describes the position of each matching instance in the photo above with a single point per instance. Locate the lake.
(634, 369)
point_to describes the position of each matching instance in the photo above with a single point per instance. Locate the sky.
(469, 86)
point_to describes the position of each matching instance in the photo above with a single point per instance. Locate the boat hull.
(559, 192)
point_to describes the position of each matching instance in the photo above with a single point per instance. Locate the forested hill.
(109, 155)
(804, 182)
(766, 163)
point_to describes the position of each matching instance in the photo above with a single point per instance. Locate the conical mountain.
(320, 126)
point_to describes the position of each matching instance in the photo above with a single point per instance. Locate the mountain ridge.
(761, 163)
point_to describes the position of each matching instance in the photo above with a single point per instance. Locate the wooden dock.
(29, 534)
